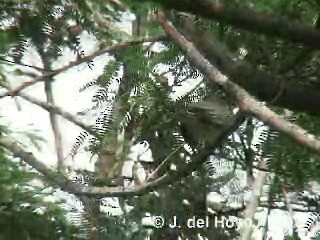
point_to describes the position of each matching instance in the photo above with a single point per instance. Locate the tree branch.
(27, 84)
(72, 187)
(55, 109)
(24, 65)
(246, 103)
(253, 204)
(52, 116)
(261, 84)
(226, 11)
(90, 57)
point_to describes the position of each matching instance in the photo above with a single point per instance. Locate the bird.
(206, 120)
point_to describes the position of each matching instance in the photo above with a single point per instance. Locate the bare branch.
(155, 173)
(246, 103)
(55, 109)
(53, 117)
(27, 84)
(24, 65)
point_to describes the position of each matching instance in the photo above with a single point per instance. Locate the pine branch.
(90, 57)
(246, 103)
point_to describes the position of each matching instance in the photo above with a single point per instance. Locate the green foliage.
(20, 203)
(46, 22)
(145, 110)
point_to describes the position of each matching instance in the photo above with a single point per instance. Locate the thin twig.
(25, 65)
(270, 171)
(90, 57)
(164, 162)
(27, 84)
(55, 109)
